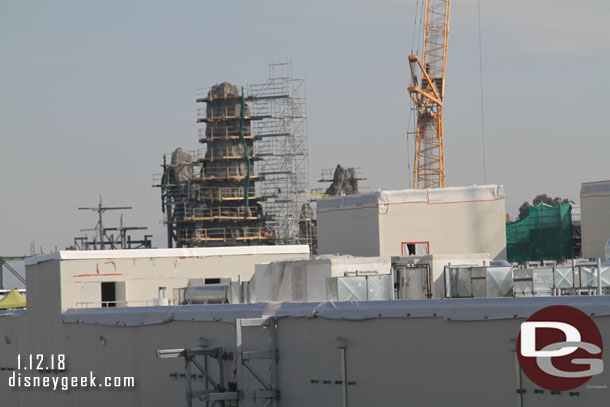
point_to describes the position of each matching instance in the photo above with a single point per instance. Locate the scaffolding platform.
(225, 235)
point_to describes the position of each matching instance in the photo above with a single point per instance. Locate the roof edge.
(159, 253)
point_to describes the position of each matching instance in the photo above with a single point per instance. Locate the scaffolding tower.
(247, 184)
(282, 145)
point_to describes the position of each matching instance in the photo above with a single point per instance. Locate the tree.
(524, 209)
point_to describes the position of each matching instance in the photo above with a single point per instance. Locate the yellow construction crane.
(427, 91)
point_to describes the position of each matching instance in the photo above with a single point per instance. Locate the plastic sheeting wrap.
(369, 200)
(136, 316)
(288, 281)
(471, 309)
(305, 280)
(12, 312)
(473, 193)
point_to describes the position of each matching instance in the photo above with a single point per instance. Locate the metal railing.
(228, 152)
(580, 279)
(224, 234)
(223, 173)
(104, 304)
(222, 212)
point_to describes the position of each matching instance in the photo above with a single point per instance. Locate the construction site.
(249, 183)
(272, 291)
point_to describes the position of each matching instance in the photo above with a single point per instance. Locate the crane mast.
(427, 90)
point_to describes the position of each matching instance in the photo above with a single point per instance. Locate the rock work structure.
(210, 198)
(345, 182)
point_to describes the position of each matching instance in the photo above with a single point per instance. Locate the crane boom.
(427, 91)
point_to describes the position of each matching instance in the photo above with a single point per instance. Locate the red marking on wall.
(111, 262)
(385, 210)
(459, 202)
(98, 274)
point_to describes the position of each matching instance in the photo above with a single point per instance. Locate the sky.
(93, 93)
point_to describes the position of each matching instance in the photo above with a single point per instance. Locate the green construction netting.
(545, 234)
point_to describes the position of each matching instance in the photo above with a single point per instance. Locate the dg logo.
(560, 348)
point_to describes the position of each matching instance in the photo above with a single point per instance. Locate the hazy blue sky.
(93, 93)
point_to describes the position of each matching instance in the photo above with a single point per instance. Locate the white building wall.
(468, 227)
(451, 220)
(595, 218)
(143, 271)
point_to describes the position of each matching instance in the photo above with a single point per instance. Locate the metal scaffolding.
(248, 183)
(255, 372)
(282, 145)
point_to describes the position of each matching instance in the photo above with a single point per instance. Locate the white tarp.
(136, 316)
(305, 280)
(368, 200)
(157, 253)
(468, 309)
(12, 312)
(472, 193)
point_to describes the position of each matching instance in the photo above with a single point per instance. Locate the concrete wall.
(352, 231)
(464, 227)
(595, 224)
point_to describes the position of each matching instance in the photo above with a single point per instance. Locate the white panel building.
(407, 222)
(84, 279)
(595, 218)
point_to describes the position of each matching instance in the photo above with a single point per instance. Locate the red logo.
(560, 348)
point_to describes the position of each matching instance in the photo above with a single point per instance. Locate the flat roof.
(471, 193)
(157, 253)
(463, 309)
(597, 188)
